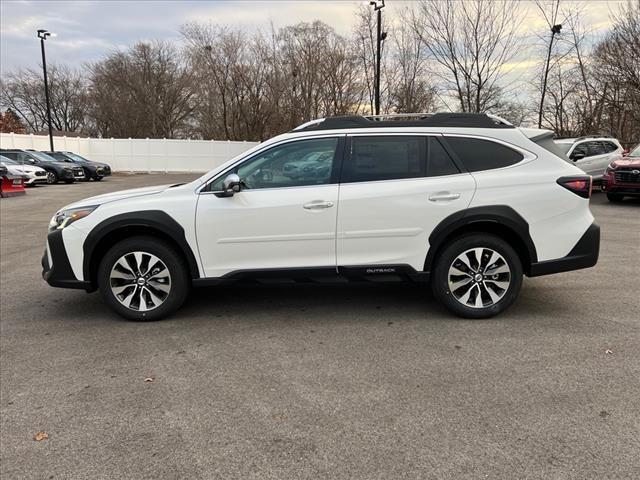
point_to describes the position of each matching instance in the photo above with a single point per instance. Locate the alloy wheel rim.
(50, 177)
(479, 277)
(140, 281)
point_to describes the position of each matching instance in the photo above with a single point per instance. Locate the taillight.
(580, 185)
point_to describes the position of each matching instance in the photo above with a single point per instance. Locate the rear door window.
(595, 148)
(376, 158)
(478, 154)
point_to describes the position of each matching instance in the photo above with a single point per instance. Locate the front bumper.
(583, 255)
(629, 188)
(32, 178)
(56, 269)
(66, 175)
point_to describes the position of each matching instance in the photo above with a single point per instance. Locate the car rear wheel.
(477, 276)
(143, 279)
(52, 178)
(615, 197)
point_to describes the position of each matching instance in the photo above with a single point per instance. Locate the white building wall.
(137, 154)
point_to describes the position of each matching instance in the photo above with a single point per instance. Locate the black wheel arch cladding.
(152, 221)
(495, 217)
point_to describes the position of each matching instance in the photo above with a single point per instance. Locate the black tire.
(615, 197)
(69, 181)
(449, 257)
(178, 286)
(52, 178)
(97, 179)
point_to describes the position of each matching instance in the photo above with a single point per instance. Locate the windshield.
(564, 147)
(76, 158)
(42, 156)
(635, 152)
(546, 141)
(58, 156)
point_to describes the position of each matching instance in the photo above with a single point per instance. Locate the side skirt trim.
(319, 275)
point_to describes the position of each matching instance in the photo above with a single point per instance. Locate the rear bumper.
(58, 272)
(583, 255)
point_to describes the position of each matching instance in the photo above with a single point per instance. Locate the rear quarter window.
(477, 154)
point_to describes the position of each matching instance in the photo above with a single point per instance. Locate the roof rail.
(468, 120)
(584, 137)
(499, 119)
(308, 124)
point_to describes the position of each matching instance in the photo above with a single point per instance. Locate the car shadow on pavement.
(326, 304)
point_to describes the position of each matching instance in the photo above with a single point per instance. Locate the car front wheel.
(477, 276)
(52, 178)
(143, 278)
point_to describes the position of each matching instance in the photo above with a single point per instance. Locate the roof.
(469, 120)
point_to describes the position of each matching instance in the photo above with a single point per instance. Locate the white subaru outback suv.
(464, 201)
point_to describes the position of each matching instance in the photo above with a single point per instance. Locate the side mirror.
(231, 185)
(577, 156)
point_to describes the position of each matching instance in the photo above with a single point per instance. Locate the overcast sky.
(87, 30)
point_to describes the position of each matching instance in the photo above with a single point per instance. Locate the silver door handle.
(444, 196)
(317, 205)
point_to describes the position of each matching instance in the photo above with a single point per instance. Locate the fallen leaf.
(38, 437)
(150, 379)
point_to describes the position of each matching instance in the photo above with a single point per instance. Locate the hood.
(60, 164)
(24, 168)
(98, 164)
(627, 162)
(122, 194)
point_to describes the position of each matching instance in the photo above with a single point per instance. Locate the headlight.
(66, 217)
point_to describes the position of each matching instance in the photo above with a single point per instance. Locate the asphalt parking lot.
(319, 382)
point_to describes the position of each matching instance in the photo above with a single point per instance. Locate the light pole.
(378, 5)
(42, 35)
(555, 30)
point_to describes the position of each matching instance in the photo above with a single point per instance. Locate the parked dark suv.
(56, 171)
(92, 170)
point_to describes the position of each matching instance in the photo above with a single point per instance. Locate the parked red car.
(622, 177)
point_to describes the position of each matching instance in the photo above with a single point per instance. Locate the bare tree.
(23, 93)
(617, 64)
(471, 41)
(142, 92)
(412, 91)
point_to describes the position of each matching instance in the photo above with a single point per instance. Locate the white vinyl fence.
(137, 155)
